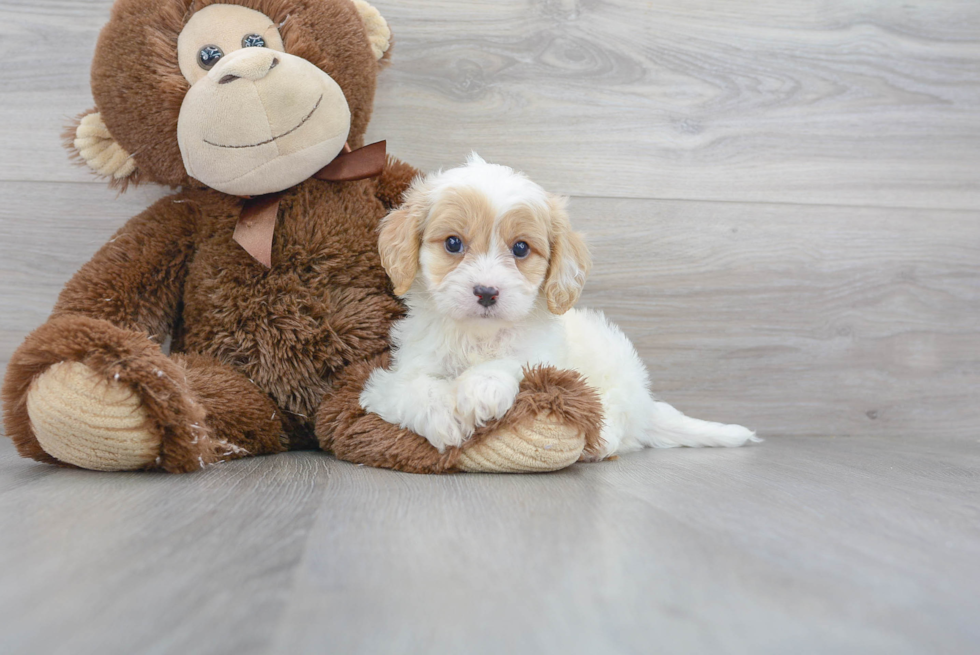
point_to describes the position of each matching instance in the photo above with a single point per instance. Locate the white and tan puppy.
(489, 268)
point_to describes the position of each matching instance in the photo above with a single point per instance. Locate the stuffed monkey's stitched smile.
(256, 145)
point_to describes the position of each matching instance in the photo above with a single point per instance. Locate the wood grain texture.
(844, 102)
(47, 231)
(798, 544)
(797, 319)
(150, 563)
(47, 47)
(762, 549)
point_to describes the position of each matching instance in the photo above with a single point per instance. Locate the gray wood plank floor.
(802, 544)
(784, 207)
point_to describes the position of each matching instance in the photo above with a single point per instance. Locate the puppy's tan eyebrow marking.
(463, 212)
(529, 225)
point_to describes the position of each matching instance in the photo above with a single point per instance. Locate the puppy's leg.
(424, 404)
(487, 391)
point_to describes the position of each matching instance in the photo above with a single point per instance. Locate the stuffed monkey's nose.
(248, 63)
(487, 295)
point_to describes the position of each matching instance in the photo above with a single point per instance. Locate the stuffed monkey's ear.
(89, 140)
(399, 241)
(378, 32)
(570, 261)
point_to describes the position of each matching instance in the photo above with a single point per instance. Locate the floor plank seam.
(579, 196)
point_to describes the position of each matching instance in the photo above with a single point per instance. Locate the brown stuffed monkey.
(262, 269)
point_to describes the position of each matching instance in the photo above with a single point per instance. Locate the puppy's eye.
(209, 56)
(253, 41)
(454, 245)
(521, 249)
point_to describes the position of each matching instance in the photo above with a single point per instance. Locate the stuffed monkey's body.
(261, 359)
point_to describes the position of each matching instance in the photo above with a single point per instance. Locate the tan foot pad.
(545, 445)
(82, 419)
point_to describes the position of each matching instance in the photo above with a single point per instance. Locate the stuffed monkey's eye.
(209, 56)
(521, 249)
(253, 41)
(454, 245)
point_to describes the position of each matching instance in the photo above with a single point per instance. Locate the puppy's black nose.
(487, 295)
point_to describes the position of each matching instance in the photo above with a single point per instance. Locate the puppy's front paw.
(442, 427)
(484, 396)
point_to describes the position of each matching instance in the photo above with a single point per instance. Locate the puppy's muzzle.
(487, 295)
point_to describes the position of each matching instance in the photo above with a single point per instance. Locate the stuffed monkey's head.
(246, 96)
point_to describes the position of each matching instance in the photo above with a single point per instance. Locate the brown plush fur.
(256, 350)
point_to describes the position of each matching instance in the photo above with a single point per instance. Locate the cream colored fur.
(379, 34)
(81, 419)
(260, 120)
(222, 26)
(266, 131)
(100, 151)
(543, 446)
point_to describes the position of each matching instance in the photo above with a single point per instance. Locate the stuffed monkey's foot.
(545, 443)
(84, 392)
(82, 419)
(555, 420)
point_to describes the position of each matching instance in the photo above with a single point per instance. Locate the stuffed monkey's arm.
(135, 281)
(555, 418)
(394, 181)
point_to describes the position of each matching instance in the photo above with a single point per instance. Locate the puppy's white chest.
(479, 349)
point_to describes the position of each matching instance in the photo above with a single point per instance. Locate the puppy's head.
(484, 242)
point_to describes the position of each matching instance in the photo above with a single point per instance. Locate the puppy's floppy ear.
(89, 140)
(570, 261)
(400, 239)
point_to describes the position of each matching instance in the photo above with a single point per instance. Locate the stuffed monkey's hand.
(555, 418)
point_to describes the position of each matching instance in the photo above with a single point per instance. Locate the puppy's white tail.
(669, 428)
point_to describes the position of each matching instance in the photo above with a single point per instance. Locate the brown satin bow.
(257, 222)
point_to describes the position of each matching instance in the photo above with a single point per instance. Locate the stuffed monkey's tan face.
(256, 119)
